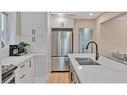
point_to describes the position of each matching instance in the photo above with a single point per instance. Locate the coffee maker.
(13, 50)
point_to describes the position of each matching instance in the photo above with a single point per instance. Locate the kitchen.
(39, 45)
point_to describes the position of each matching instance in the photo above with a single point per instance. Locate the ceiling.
(78, 15)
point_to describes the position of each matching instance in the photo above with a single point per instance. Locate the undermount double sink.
(86, 61)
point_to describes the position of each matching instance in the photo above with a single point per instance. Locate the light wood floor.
(58, 77)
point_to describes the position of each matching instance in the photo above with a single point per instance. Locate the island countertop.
(108, 72)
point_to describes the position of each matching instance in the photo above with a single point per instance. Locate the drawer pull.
(22, 77)
(22, 66)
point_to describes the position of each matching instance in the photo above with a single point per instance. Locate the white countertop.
(108, 72)
(16, 60)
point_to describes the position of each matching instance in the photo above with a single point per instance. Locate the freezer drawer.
(60, 64)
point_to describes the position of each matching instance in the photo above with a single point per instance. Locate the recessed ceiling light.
(90, 14)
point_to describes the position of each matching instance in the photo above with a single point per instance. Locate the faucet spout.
(97, 54)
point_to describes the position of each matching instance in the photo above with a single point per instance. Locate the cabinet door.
(40, 23)
(30, 71)
(30, 40)
(40, 44)
(27, 23)
(33, 23)
(37, 43)
(40, 68)
(57, 22)
(25, 72)
(20, 73)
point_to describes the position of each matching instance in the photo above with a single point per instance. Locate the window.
(4, 34)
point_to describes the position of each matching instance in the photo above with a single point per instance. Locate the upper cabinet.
(61, 22)
(33, 23)
(34, 30)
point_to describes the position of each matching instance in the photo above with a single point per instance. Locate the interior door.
(85, 35)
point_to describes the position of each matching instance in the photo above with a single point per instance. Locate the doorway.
(85, 35)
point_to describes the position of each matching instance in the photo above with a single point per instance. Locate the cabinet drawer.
(20, 76)
(21, 68)
(25, 72)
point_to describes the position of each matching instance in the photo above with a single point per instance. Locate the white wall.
(113, 37)
(4, 52)
(12, 26)
(101, 31)
(13, 29)
(105, 17)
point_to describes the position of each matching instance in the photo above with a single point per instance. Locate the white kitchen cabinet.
(61, 22)
(41, 69)
(33, 23)
(72, 74)
(25, 72)
(37, 43)
(34, 30)
(30, 71)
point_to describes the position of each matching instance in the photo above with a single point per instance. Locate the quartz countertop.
(16, 60)
(108, 72)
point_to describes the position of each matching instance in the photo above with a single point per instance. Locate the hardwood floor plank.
(58, 77)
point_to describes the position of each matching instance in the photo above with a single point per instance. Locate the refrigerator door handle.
(59, 43)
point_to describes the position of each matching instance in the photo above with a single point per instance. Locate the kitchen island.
(108, 71)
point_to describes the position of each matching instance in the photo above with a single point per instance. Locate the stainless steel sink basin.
(86, 61)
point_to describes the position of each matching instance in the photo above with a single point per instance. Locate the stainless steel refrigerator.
(60, 48)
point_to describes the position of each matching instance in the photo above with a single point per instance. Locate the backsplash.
(4, 52)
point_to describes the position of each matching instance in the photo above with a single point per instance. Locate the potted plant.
(23, 47)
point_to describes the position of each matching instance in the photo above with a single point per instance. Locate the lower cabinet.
(41, 68)
(34, 70)
(72, 75)
(25, 72)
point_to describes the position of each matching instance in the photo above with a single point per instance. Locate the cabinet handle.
(22, 66)
(30, 63)
(62, 25)
(22, 76)
(33, 39)
(34, 31)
